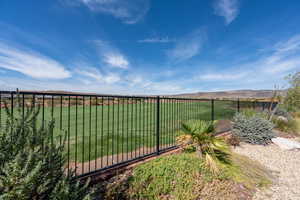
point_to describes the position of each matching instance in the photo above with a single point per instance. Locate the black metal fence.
(104, 131)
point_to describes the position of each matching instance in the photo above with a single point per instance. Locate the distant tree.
(292, 99)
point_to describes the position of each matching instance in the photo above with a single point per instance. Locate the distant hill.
(243, 94)
(233, 94)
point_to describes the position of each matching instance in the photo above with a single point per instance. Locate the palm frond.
(213, 149)
(211, 163)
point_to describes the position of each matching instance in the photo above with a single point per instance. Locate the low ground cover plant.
(185, 176)
(253, 129)
(289, 126)
(31, 163)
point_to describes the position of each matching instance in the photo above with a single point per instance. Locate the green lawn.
(94, 131)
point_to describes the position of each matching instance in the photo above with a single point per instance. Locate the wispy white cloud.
(146, 85)
(228, 9)
(222, 76)
(284, 56)
(290, 45)
(86, 82)
(116, 60)
(128, 11)
(267, 70)
(111, 56)
(95, 74)
(282, 66)
(157, 40)
(31, 63)
(187, 47)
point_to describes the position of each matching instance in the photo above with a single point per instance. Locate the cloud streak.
(31, 63)
(111, 56)
(187, 47)
(95, 74)
(284, 56)
(274, 63)
(228, 9)
(222, 76)
(128, 11)
(116, 60)
(157, 40)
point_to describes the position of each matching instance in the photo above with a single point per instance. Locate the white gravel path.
(284, 164)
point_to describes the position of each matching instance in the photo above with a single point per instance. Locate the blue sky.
(148, 46)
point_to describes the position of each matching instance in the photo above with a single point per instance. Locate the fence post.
(238, 104)
(212, 110)
(157, 124)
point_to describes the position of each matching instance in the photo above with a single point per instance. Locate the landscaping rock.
(286, 144)
(282, 118)
(283, 164)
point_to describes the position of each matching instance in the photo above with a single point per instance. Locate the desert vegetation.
(206, 168)
(34, 149)
(31, 162)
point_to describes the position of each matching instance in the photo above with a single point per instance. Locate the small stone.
(284, 164)
(282, 118)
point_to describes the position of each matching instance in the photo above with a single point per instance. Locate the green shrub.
(292, 99)
(254, 130)
(289, 126)
(31, 163)
(248, 113)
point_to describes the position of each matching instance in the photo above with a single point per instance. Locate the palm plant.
(212, 149)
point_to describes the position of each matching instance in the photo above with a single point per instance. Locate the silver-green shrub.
(254, 130)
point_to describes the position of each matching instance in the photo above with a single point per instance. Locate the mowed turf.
(96, 131)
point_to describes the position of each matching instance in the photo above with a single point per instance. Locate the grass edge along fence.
(104, 131)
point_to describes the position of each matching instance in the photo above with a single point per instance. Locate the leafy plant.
(254, 130)
(212, 149)
(292, 99)
(31, 161)
(289, 126)
(248, 113)
(186, 143)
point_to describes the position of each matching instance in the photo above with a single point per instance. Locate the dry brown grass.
(249, 172)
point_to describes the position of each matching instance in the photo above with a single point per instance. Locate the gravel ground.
(285, 165)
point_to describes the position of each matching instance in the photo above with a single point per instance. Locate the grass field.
(96, 131)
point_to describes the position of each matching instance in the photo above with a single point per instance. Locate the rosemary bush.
(254, 129)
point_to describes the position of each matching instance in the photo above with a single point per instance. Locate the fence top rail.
(75, 94)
